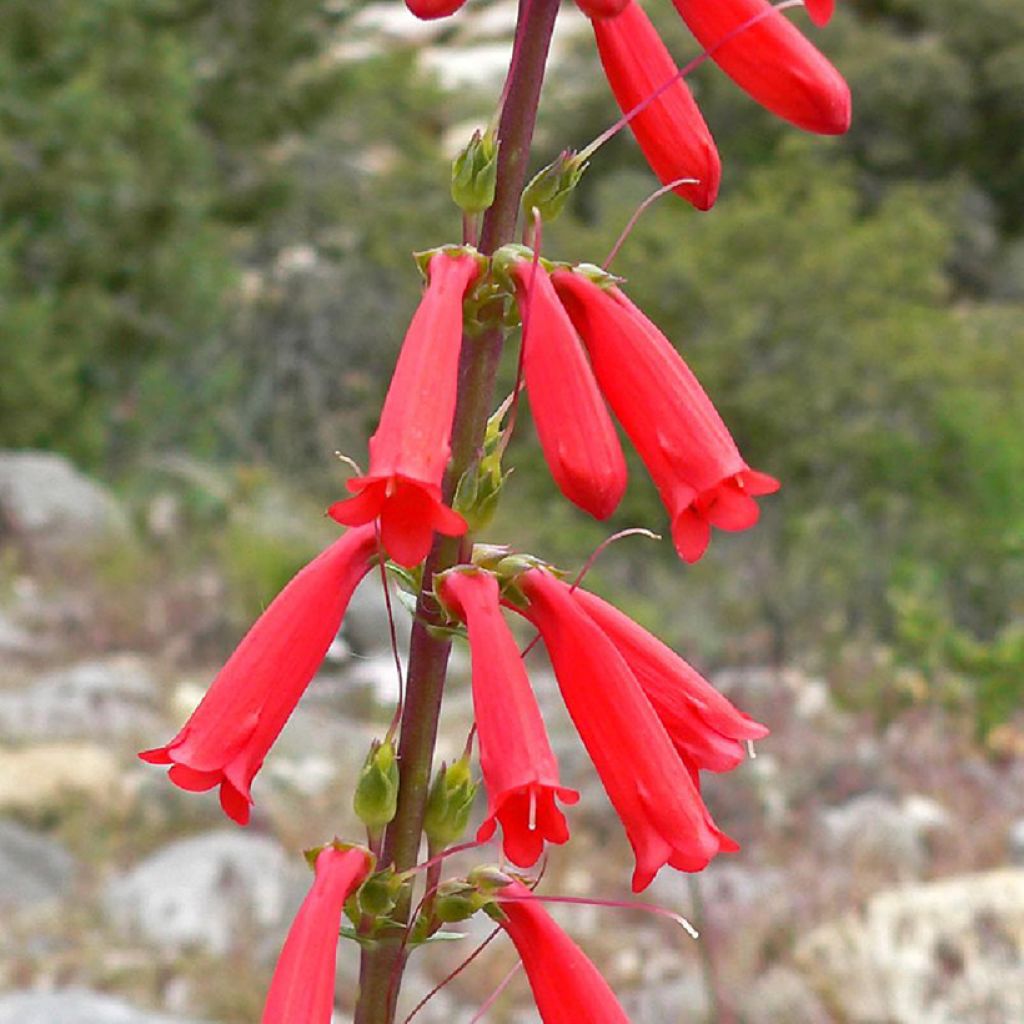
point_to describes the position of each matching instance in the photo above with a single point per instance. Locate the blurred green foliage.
(207, 211)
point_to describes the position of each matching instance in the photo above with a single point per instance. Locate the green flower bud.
(551, 187)
(475, 173)
(376, 796)
(456, 901)
(450, 803)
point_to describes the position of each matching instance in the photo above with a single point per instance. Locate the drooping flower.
(772, 61)
(576, 433)
(602, 8)
(566, 986)
(410, 449)
(302, 989)
(707, 729)
(227, 737)
(429, 10)
(653, 792)
(670, 131)
(519, 768)
(691, 456)
(820, 11)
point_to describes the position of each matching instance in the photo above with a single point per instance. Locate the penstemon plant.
(650, 723)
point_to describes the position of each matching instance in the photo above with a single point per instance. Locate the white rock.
(207, 891)
(948, 952)
(74, 1006)
(104, 698)
(40, 776)
(34, 870)
(44, 499)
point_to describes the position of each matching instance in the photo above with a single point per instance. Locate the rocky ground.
(881, 879)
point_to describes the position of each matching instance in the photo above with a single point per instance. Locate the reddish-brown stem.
(428, 651)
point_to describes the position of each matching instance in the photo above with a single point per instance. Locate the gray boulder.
(106, 698)
(34, 870)
(75, 1006)
(216, 892)
(46, 501)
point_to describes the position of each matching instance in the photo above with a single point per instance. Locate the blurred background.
(207, 211)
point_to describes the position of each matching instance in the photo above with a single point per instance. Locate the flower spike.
(410, 449)
(519, 767)
(670, 131)
(227, 737)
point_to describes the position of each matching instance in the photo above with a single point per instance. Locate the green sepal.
(597, 275)
(450, 803)
(475, 173)
(424, 256)
(550, 188)
(376, 797)
(313, 852)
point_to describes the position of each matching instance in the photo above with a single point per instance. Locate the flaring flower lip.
(670, 131)
(227, 737)
(772, 60)
(566, 986)
(519, 767)
(410, 512)
(302, 989)
(700, 474)
(653, 791)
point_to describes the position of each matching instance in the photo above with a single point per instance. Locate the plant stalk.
(381, 967)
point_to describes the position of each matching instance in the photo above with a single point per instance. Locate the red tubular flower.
(302, 990)
(566, 986)
(772, 61)
(671, 131)
(651, 789)
(708, 731)
(691, 456)
(519, 767)
(820, 11)
(429, 10)
(227, 737)
(602, 8)
(576, 433)
(410, 449)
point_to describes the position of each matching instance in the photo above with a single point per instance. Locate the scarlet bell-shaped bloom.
(410, 449)
(820, 11)
(651, 789)
(229, 734)
(428, 10)
(519, 767)
(772, 61)
(708, 730)
(670, 131)
(566, 986)
(691, 456)
(602, 8)
(576, 433)
(302, 990)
